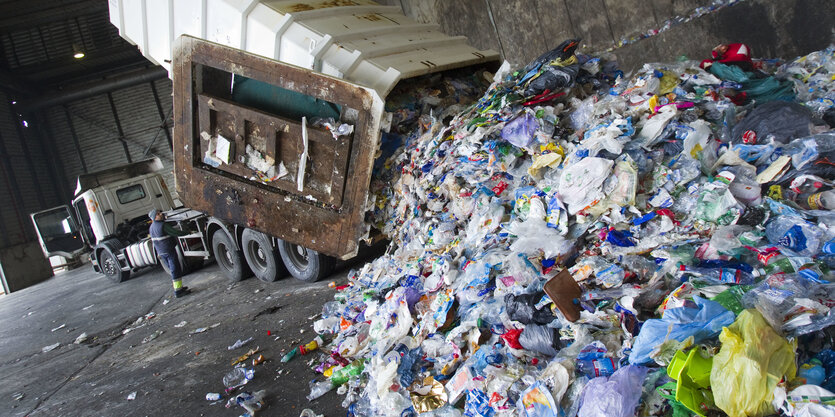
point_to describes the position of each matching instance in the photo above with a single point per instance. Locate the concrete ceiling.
(38, 39)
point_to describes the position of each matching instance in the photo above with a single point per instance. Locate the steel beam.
(119, 127)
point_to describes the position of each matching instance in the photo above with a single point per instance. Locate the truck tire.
(305, 264)
(229, 258)
(109, 266)
(264, 260)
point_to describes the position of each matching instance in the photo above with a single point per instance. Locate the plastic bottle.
(342, 375)
(290, 355)
(795, 234)
(212, 396)
(237, 377)
(723, 275)
(311, 346)
(817, 201)
(251, 402)
(318, 389)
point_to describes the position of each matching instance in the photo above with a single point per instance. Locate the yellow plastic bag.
(752, 360)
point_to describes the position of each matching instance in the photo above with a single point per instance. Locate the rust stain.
(371, 17)
(302, 7)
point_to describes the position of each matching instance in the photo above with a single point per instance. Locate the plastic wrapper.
(752, 360)
(520, 131)
(614, 396)
(702, 321)
(780, 120)
(540, 339)
(522, 308)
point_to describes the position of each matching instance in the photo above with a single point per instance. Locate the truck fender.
(115, 246)
(231, 230)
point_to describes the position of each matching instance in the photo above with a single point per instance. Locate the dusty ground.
(171, 373)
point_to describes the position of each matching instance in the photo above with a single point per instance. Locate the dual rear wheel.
(268, 263)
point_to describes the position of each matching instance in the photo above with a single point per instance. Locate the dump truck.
(279, 111)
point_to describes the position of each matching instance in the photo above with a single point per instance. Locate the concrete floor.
(170, 374)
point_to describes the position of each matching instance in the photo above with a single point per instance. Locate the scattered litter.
(251, 402)
(59, 327)
(80, 339)
(237, 377)
(181, 324)
(132, 396)
(152, 336)
(213, 396)
(259, 360)
(245, 356)
(88, 307)
(239, 343)
(203, 329)
(50, 348)
(310, 413)
(18, 396)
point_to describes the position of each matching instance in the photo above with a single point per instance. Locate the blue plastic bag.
(520, 131)
(702, 322)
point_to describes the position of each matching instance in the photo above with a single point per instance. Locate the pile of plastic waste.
(583, 243)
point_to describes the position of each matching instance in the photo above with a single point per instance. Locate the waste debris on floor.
(583, 243)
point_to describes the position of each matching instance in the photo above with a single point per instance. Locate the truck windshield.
(58, 230)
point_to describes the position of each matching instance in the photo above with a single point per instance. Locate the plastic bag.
(702, 322)
(540, 339)
(537, 401)
(580, 183)
(752, 360)
(782, 120)
(614, 396)
(805, 401)
(522, 308)
(795, 234)
(520, 131)
(761, 89)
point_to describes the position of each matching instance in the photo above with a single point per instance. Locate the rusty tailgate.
(327, 214)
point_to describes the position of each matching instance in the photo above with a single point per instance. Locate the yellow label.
(814, 201)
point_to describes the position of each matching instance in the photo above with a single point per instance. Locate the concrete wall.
(22, 266)
(523, 29)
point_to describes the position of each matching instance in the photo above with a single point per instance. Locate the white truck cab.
(109, 218)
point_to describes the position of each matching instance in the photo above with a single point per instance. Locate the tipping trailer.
(250, 79)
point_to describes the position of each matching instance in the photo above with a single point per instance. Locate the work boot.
(182, 292)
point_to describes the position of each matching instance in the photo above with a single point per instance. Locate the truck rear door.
(246, 149)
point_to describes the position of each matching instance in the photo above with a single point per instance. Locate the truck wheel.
(262, 258)
(229, 259)
(305, 264)
(110, 267)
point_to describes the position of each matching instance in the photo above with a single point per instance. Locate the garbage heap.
(583, 243)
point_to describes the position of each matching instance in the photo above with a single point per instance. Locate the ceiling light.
(77, 52)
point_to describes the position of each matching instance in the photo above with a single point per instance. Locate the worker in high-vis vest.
(165, 240)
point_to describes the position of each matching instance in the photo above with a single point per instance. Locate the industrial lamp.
(77, 53)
